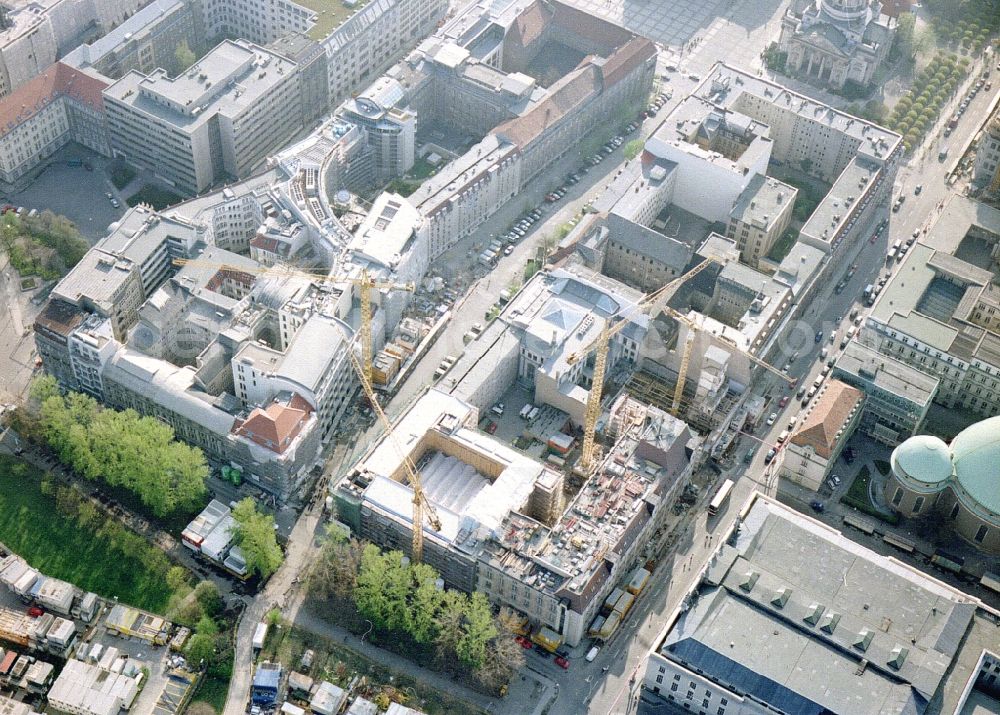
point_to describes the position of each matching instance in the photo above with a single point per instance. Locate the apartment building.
(218, 120)
(41, 31)
(144, 42)
(940, 312)
(41, 116)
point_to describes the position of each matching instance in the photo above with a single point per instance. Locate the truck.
(637, 581)
(259, 636)
(547, 639)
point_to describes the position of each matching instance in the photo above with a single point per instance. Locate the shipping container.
(611, 600)
(259, 636)
(637, 582)
(547, 639)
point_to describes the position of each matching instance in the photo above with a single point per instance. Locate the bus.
(721, 497)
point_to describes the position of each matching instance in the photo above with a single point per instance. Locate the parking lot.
(74, 192)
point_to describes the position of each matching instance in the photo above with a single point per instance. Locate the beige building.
(760, 216)
(217, 120)
(821, 435)
(959, 481)
(58, 106)
(940, 313)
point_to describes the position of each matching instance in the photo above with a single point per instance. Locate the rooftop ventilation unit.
(781, 597)
(815, 613)
(863, 639)
(749, 580)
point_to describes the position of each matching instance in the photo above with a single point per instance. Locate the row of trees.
(45, 245)
(123, 449)
(918, 109)
(965, 24)
(407, 602)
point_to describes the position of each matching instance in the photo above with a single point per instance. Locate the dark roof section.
(59, 317)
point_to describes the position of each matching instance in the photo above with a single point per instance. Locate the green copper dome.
(976, 455)
(922, 458)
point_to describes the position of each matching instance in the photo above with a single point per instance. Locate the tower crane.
(649, 304)
(422, 508)
(365, 284)
(600, 346)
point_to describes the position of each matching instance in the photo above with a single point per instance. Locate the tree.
(184, 56)
(208, 597)
(200, 649)
(425, 602)
(207, 627)
(633, 149)
(905, 25)
(335, 573)
(255, 536)
(449, 622)
(504, 656)
(477, 630)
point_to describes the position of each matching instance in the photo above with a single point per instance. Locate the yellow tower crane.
(365, 283)
(422, 508)
(600, 347)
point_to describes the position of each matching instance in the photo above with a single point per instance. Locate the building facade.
(897, 396)
(832, 42)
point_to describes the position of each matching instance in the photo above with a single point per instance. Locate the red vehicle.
(562, 662)
(35, 611)
(783, 401)
(524, 642)
(491, 427)
(874, 238)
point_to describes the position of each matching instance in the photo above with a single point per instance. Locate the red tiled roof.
(56, 81)
(564, 96)
(275, 426)
(622, 61)
(528, 26)
(831, 412)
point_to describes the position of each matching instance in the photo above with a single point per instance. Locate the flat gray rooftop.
(806, 619)
(887, 374)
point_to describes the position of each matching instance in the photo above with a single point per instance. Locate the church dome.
(923, 459)
(845, 9)
(976, 454)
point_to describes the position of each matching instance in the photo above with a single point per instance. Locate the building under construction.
(506, 529)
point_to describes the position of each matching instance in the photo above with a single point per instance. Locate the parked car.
(817, 506)
(562, 662)
(772, 418)
(491, 427)
(769, 457)
(819, 336)
(783, 401)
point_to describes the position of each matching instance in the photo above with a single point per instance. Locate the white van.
(783, 436)
(523, 414)
(592, 653)
(533, 414)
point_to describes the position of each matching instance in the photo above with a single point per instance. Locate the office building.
(44, 114)
(986, 171)
(957, 480)
(218, 120)
(760, 216)
(833, 43)
(940, 311)
(824, 428)
(790, 616)
(897, 396)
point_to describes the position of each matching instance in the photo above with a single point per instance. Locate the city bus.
(721, 497)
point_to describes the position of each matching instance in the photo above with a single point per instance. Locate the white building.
(86, 689)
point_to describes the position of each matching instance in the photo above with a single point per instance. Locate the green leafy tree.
(208, 597)
(200, 649)
(255, 536)
(477, 630)
(904, 35)
(425, 602)
(450, 622)
(633, 149)
(183, 56)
